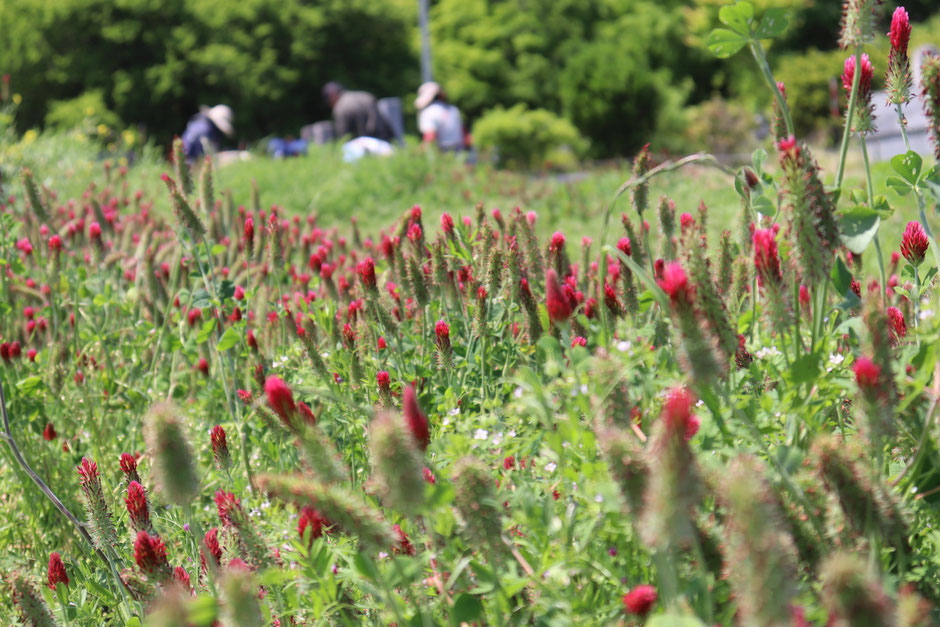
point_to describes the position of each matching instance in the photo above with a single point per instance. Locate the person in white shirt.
(439, 122)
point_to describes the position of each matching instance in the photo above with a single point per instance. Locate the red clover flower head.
(848, 75)
(442, 331)
(56, 571)
(867, 374)
(137, 509)
(212, 543)
(415, 419)
(150, 553)
(914, 243)
(624, 246)
(309, 517)
(900, 33)
(447, 223)
(898, 325)
(558, 305)
(766, 258)
(675, 283)
(280, 398)
(220, 450)
(226, 504)
(366, 269)
(677, 413)
(640, 600)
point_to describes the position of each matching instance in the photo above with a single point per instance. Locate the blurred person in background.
(439, 122)
(355, 113)
(206, 131)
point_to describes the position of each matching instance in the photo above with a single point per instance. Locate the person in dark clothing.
(355, 113)
(207, 130)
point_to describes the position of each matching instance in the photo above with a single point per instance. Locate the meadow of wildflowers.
(236, 414)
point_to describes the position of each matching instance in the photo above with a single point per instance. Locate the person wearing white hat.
(439, 122)
(206, 131)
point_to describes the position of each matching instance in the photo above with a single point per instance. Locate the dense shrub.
(528, 138)
(87, 110)
(615, 69)
(720, 127)
(155, 62)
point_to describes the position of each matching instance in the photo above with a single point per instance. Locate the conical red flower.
(415, 419)
(766, 258)
(309, 517)
(56, 573)
(129, 467)
(137, 509)
(900, 33)
(898, 325)
(150, 553)
(914, 243)
(559, 308)
(220, 452)
(867, 374)
(280, 399)
(640, 600)
(675, 283)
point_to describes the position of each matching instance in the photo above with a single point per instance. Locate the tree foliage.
(156, 61)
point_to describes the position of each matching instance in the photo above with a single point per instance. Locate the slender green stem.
(849, 115)
(902, 122)
(758, 51)
(871, 203)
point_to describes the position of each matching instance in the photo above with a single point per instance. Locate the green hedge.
(533, 139)
(156, 61)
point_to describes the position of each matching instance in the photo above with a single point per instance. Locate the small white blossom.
(512, 433)
(481, 434)
(551, 466)
(446, 421)
(836, 358)
(584, 388)
(623, 346)
(598, 499)
(517, 392)
(767, 351)
(497, 439)
(925, 314)
(454, 412)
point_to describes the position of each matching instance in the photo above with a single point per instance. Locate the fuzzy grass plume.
(342, 507)
(397, 464)
(174, 466)
(760, 561)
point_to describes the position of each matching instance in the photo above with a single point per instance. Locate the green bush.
(524, 138)
(616, 68)
(87, 112)
(720, 127)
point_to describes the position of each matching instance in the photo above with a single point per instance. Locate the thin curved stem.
(849, 115)
(758, 51)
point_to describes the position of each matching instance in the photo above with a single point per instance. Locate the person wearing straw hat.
(439, 122)
(206, 131)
